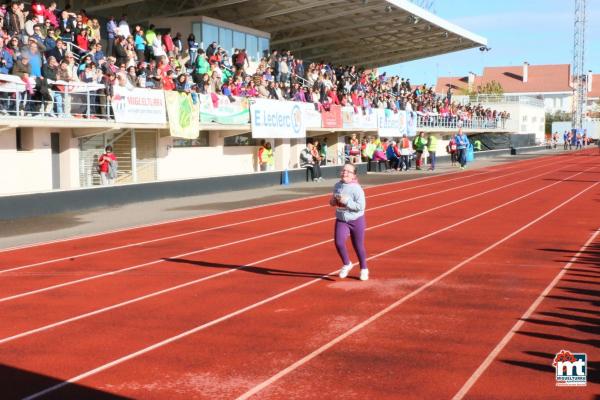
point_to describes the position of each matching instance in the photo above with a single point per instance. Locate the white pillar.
(134, 177)
(281, 151)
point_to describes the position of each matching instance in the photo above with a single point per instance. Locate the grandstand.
(53, 137)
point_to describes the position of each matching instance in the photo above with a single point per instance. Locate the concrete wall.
(524, 118)
(30, 205)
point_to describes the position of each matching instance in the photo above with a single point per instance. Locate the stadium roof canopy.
(367, 33)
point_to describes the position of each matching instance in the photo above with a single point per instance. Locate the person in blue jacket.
(462, 143)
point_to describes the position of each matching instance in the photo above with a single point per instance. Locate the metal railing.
(498, 98)
(453, 122)
(58, 104)
(95, 105)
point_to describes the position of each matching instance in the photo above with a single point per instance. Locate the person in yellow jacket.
(265, 157)
(419, 144)
(432, 147)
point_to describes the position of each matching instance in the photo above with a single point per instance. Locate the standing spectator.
(168, 42)
(265, 157)
(107, 164)
(123, 28)
(432, 148)
(94, 30)
(211, 49)
(192, 48)
(111, 31)
(349, 199)
(354, 151)
(419, 145)
(50, 15)
(405, 152)
(120, 52)
(462, 142)
(50, 72)
(157, 47)
(241, 60)
(308, 161)
(38, 10)
(452, 150)
(178, 43)
(13, 23)
(140, 45)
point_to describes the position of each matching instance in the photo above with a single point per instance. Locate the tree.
(556, 117)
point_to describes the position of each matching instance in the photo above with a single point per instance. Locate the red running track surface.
(477, 280)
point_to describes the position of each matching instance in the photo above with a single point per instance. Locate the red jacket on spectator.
(168, 42)
(50, 16)
(39, 10)
(333, 98)
(214, 59)
(81, 40)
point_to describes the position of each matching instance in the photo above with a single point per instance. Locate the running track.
(478, 278)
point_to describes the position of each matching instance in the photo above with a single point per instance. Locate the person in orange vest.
(405, 151)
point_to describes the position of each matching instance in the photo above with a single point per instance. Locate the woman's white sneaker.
(345, 270)
(364, 274)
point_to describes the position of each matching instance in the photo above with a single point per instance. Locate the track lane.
(66, 302)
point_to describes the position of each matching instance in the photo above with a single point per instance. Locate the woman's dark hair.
(109, 148)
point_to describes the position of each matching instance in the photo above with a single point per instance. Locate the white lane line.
(213, 276)
(517, 326)
(394, 305)
(481, 171)
(277, 296)
(93, 277)
(128, 245)
(91, 235)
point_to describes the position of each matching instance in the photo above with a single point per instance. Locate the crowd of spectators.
(40, 43)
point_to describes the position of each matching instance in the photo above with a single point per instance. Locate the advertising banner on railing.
(276, 119)
(332, 118)
(359, 118)
(310, 115)
(224, 110)
(184, 115)
(76, 87)
(390, 123)
(139, 106)
(12, 84)
(411, 123)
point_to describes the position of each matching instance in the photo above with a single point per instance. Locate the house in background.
(551, 83)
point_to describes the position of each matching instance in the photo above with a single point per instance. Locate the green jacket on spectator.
(226, 75)
(150, 36)
(202, 66)
(419, 143)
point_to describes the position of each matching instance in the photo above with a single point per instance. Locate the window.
(252, 47)
(239, 40)
(226, 39)
(241, 140)
(24, 139)
(197, 31)
(263, 46)
(210, 33)
(524, 118)
(200, 141)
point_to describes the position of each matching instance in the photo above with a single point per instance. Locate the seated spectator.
(393, 155)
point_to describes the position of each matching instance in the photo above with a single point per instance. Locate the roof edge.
(434, 19)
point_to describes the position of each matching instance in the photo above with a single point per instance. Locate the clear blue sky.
(536, 31)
